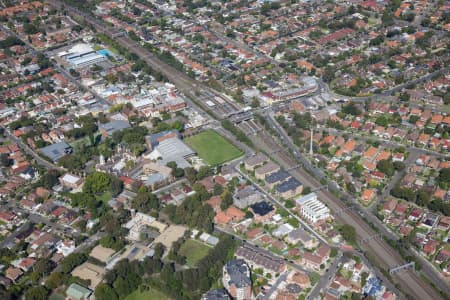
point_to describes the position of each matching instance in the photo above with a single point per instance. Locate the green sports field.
(194, 251)
(213, 148)
(147, 295)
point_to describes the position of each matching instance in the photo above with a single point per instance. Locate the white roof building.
(312, 209)
(137, 225)
(172, 149)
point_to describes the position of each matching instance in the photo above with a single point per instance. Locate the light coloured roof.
(76, 291)
(71, 178)
(101, 253)
(174, 147)
(90, 272)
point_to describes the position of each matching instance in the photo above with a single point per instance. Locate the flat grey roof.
(56, 151)
(173, 148)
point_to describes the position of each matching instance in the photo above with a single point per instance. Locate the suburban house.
(262, 211)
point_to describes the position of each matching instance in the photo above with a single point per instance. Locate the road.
(268, 253)
(279, 204)
(84, 245)
(397, 176)
(384, 142)
(382, 251)
(274, 287)
(10, 238)
(34, 219)
(325, 279)
(187, 85)
(30, 151)
(392, 90)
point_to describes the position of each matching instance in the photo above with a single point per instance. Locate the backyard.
(213, 148)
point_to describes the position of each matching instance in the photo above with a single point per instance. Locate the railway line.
(387, 257)
(384, 254)
(210, 100)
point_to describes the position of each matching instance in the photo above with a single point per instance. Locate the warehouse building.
(81, 55)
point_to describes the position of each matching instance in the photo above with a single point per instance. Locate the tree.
(444, 177)
(306, 190)
(351, 109)
(36, 293)
(159, 251)
(227, 200)
(386, 166)
(104, 292)
(255, 102)
(4, 160)
(145, 201)
(176, 172)
(218, 189)
(54, 280)
(97, 183)
(191, 174)
(77, 28)
(399, 165)
(203, 172)
(49, 179)
(423, 198)
(348, 233)
(113, 242)
(71, 261)
(115, 186)
(43, 266)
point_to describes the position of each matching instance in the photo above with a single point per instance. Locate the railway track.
(410, 282)
(383, 252)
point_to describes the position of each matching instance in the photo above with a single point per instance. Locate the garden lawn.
(194, 251)
(213, 148)
(147, 295)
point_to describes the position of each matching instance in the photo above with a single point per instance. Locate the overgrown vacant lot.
(213, 148)
(194, 251)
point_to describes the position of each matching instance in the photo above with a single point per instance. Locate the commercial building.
(172, 149)
(153, 140)
(81, 55)
(236, 279)
(312, 209)
(138, 224)
(108, 129)
(56, 151)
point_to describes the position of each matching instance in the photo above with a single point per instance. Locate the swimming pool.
(105, 52)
